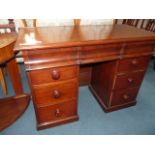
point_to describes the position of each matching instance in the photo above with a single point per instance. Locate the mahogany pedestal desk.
(112, 60)
(11, 108)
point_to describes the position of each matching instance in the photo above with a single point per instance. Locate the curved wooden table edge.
(21, 102)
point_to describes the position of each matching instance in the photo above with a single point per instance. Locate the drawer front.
(130, 80)
(138, 48)
(133, 64)
(90, 54)
(124, 97)
(41, 58)
(55, 93)
(53, 74)
(57, 112)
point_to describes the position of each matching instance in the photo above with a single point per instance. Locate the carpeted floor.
(139, 119)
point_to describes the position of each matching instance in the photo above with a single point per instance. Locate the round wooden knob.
(55, 74)
(134, 62)
(57, 113)
(125, 97)
(130, 80)
(56, 94)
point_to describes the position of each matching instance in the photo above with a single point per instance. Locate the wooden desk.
(11, 108)
(112, 60)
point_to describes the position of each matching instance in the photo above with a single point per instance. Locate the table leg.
(3, 82)
(15, 77)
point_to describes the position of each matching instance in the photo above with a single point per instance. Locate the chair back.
(131, 22)
(150, 26)
(7, 28)
(147, 24)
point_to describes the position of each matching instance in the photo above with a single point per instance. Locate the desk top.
(67, 36)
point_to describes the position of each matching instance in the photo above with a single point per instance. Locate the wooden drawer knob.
(130, 80)
(134, 62)
(58, 113)
(125, 97)
(55, 74)
(56, 94)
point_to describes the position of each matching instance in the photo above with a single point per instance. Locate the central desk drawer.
(55, 93)
(124, 97)
(99, 53)
(133, 64)
(57, 112)
(53, 74)
(129, 80)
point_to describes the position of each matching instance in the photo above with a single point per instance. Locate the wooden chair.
(10, 26)
(139, 23)
(150, 26)
(147, 24)
(5, 28)
(132, 22)
(11, 108)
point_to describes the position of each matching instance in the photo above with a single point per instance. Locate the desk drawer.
(46, 57)
(57, 112)
(55, 93)
(124, 97)
(140, 48)
(130, 80)
(99, 53)
(133, 64)
(53, 74)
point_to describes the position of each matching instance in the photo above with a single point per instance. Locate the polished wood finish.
(85, 75)
(55, 93)
(135, 49)
(13, 107)
(4, 52)
(113, 83)
(133, 64)
(3, 82)
(99, 52)
(6, 43)
(50, 58)
(123, 97)
(56, 37)
(57, 114)
(54, 74)
(147, 24)
(103, 80)
(15, 77)
(51, 88)
(112, 60)
(129, 80)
